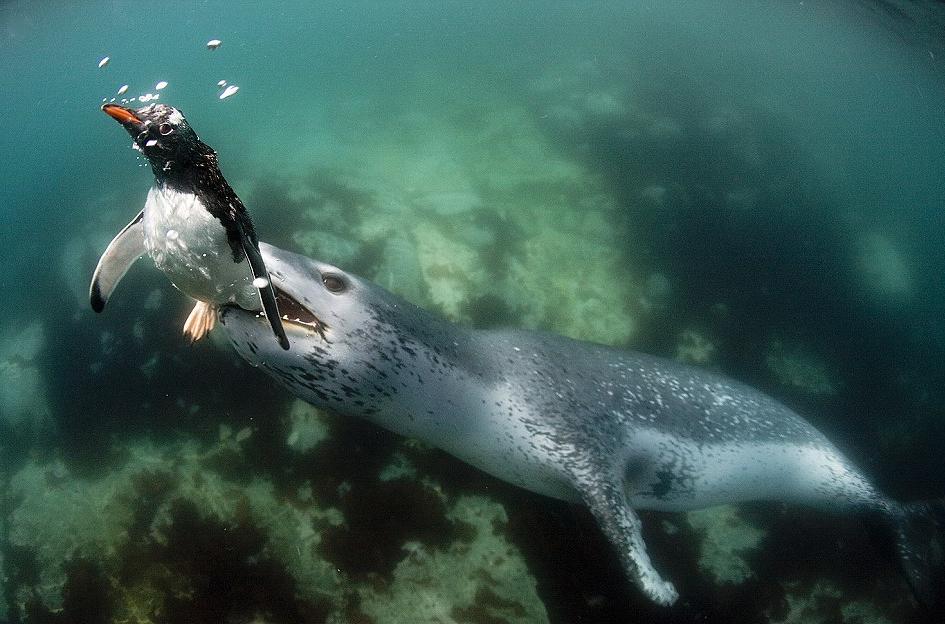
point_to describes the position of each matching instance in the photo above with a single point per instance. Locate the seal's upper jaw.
(296, 317)
(297, 314)
(292, 311)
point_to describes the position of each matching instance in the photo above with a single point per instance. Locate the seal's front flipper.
(621, 525)
(120, 254)
(201, 320)
(266, 293)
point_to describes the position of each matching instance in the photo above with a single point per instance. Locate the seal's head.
(350, 338)
(161, 133)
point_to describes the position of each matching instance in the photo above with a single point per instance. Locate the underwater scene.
(748, 190)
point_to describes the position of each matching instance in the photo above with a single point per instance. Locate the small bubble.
(221, 84)
(122, 89)
(230, 90)
(260, 282)
(103, 62)
(160, 85)
(213, 44)
(172, 235)
(152, 143)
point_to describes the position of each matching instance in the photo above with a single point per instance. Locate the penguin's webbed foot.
(201, 320)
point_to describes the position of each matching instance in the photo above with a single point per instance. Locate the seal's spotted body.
(577, 421)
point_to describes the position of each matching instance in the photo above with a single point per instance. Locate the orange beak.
(120, 114)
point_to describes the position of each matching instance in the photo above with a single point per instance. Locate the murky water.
(750, 187)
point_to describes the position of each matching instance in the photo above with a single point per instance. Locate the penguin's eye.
(333, 283)
(165, 129)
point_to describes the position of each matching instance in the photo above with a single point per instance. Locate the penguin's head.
(161, 133)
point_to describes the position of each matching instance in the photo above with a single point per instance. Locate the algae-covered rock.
(59, 518)
(133, 523)
(182, 531)
(824, 603)
(568, 276)
(480, 579)
(307, 427)
(452, 271)
(796, 366)
(883, 268)
(24, 407)
(480, 218)
(726, 540)
(693, 347)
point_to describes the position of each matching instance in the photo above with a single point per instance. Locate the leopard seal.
(615, 430)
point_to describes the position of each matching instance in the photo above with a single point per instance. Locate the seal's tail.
(918, 531)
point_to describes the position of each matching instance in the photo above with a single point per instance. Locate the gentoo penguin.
(192, 225)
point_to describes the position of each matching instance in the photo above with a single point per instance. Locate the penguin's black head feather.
(161, 133)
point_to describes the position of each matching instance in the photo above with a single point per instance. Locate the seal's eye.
(333, 283)
(165, 129)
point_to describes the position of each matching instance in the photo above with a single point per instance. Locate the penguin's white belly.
(190, 246)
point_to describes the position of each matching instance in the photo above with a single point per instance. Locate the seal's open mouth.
(294, 312)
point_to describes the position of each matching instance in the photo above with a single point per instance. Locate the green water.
(752, 187)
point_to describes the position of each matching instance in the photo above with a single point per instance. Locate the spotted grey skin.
(615, 430)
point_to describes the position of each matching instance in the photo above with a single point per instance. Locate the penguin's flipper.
(266, 293)
(120, 254)
(622, 527)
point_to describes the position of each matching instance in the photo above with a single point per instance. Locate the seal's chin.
(293, 313)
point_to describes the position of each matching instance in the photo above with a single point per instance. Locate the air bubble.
(230, 90)
(172, 235)
(260, 282)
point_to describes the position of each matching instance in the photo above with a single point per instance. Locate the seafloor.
(204, 494)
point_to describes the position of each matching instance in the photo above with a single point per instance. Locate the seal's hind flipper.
(120, 254)
(622, 526)
(266, 293)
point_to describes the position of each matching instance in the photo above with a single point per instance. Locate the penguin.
(193, 225)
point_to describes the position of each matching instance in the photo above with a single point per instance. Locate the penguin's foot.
(201, 320)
